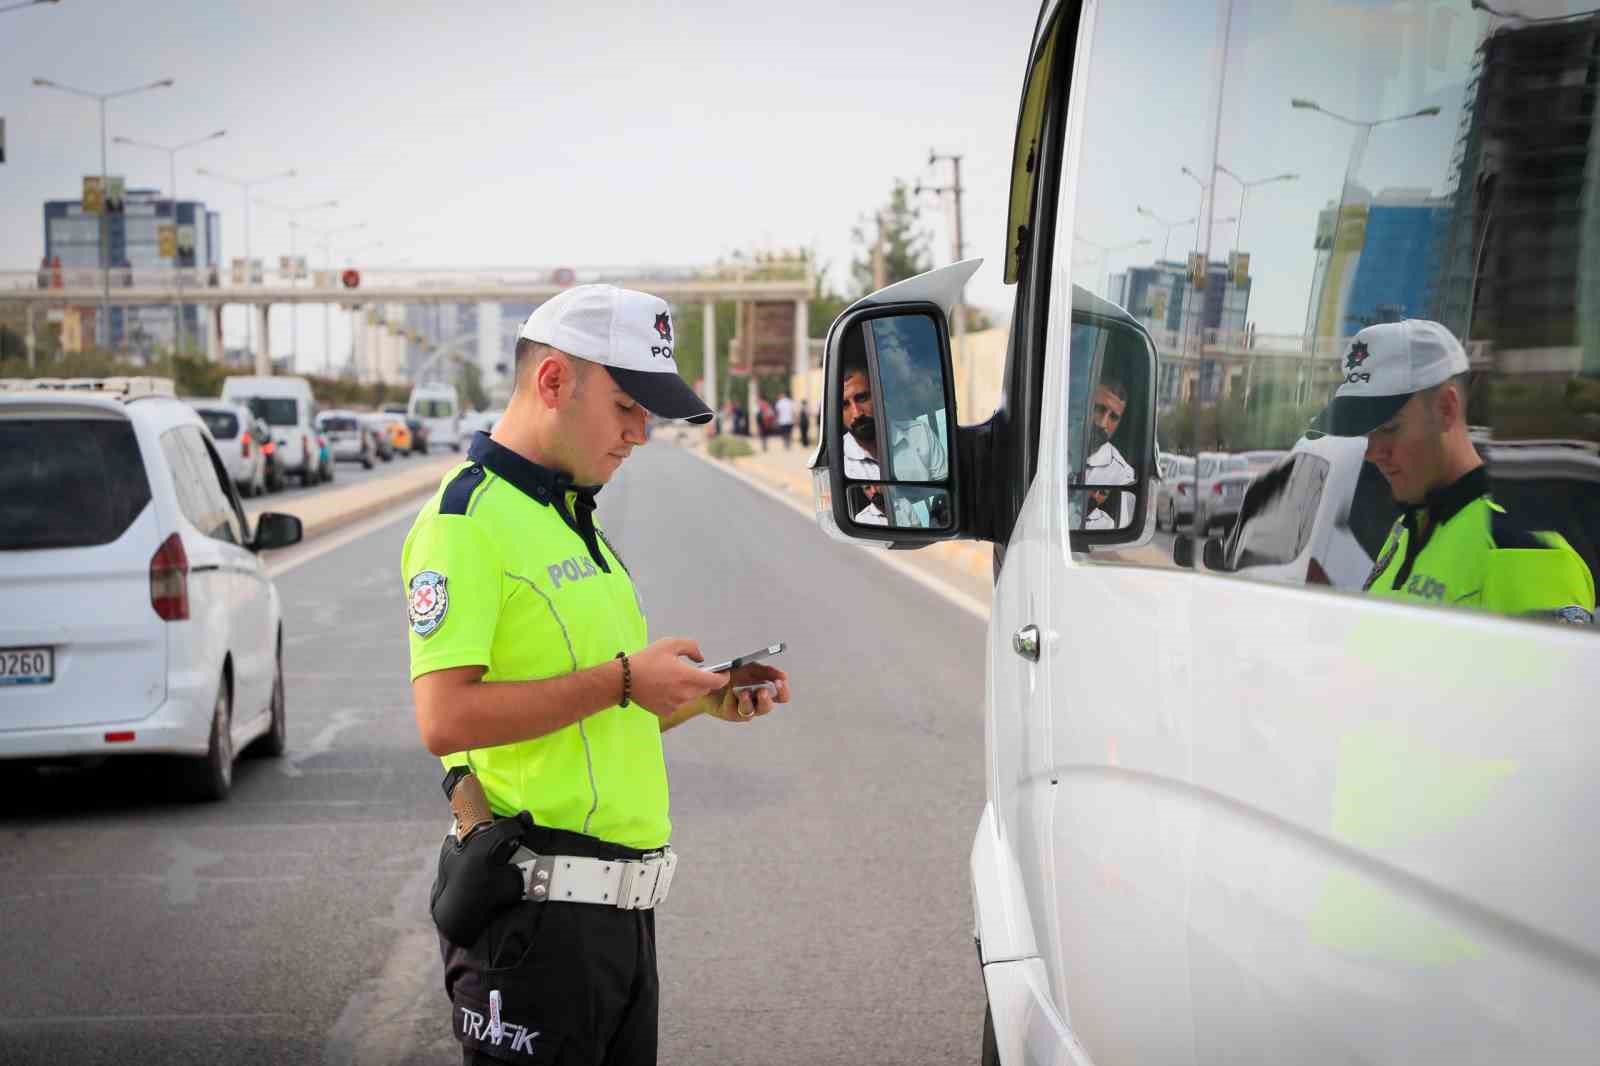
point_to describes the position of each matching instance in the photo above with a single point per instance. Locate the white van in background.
(438, 408)
(287, 406)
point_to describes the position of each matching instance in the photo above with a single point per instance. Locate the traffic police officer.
(1405, 390)
(531, 665)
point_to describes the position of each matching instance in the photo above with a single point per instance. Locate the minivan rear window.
(224, 425)
(68, 482)
(435, 409)
(277, 410)
(339, 424)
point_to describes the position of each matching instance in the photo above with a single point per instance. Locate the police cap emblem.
(426, 602)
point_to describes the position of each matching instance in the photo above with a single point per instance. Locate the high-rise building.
(134, 240)
(1161, 297)
(1384, 265)
(1520, 262)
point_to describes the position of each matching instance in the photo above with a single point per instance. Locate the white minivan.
(287, 406)
(143, 619)
(438, 408)
(1231, 820)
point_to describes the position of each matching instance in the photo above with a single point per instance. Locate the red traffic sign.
(351, 278)
(563, 276)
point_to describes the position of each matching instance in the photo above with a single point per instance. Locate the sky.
(532, 134)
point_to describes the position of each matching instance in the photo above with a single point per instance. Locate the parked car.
(1220, 480)
(438, 408)
(373, 424)
(480, 422)
(420, 440)
(399, 435)
(350, 441)
(239, 441)
(1175, 493)
(1319, 516)
(286, 404)
(151, 625)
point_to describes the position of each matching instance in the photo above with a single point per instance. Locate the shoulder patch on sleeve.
(1510, 533)
(458, 494)
(426, 602)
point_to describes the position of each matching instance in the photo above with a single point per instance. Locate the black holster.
(476, 879)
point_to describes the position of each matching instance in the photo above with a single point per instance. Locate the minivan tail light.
(169, 580)
(1216, 490)
(1183, 488)
(244, 444)
(1315, 575)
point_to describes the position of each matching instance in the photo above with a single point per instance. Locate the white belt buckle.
(638, 884)
(669, 863)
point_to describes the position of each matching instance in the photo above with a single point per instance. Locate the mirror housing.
(275, 530)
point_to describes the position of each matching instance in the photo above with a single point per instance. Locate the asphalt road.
(347, 474)
(821, 911)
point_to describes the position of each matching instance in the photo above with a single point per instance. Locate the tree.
(469, 379)
(905, 244)
(826, 304)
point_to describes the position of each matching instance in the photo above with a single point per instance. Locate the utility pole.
(959, 311)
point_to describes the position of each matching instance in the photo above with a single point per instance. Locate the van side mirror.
(1110, 456)
(883, 469)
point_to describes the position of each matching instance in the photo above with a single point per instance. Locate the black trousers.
(573, 984)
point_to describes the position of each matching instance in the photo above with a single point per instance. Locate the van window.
(68, 482)
(438, 408)
(201, 497)
(1278, 514)
(338, 424)
(1327, 167)
(276, 410)
(224, 425)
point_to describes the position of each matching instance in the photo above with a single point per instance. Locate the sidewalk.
(323, 512)
(966, 565)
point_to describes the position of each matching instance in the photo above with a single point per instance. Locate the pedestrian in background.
(803, 420)
(783, 412)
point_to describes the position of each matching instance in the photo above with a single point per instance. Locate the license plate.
(27, 666)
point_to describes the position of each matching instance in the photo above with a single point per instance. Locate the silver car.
(346, 438)
(239, 436)
(1219, 483)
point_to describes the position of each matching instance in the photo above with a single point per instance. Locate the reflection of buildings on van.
(1521, 261)
(1161, 297)
(140, 250)
(1384, 267)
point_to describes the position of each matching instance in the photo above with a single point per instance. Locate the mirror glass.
(1095, 510)
(900, 506)
(1109, 410)
(894, 401)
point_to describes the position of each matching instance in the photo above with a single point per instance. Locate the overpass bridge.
(45, 289)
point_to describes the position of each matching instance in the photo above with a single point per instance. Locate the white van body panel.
(296, 444)
(445, 429)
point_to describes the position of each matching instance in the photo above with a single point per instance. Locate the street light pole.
(1244, 188)
(172, 177)
(1358, 149)
(1168, 224)
(102, 328)
(244, 185)
(1106, 252)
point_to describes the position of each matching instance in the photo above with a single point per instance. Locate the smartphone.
(760, 653)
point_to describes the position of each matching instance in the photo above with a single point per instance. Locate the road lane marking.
(971, 604)
(322, 743)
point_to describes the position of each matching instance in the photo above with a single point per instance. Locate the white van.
(438, 408)
(287, 406)
(1231, 820)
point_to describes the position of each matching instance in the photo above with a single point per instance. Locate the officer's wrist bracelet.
(627, 679)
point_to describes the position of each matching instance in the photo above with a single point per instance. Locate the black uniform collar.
(1443, 504)
(528, 477)
(547, 486)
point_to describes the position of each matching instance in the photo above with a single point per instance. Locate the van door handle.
(1025, 642)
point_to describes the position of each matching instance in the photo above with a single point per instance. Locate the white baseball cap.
(1384, 367)
(627, 332)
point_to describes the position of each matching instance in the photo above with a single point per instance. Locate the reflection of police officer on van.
(1405, 390)
(534, 679)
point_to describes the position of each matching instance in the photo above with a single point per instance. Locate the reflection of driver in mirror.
(1105, 465)
(917, 454)
(872, 514)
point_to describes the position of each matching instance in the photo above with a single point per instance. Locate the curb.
(333, 510)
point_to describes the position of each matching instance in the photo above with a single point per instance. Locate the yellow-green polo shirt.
(1460, 548)
(504, 568)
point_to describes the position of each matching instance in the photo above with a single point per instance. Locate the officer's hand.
(735, 706)
(662, 682)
